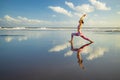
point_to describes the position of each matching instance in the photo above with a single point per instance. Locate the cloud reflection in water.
(11, 38)
(8, 39)
(96, 53)
(20, 35)
(59, 47)
(90, 52)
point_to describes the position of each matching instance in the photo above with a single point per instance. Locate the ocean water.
(48, 55)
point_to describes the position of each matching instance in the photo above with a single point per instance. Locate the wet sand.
(48, 55)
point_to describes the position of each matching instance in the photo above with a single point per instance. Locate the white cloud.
(99, 5)
(70, 4)
(80, 9)
(20, 21)
(9, 18)
(60, 10)
(84, 8)
(24, 19)
(8, 21)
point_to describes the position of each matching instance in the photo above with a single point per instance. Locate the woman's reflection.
(79, 50)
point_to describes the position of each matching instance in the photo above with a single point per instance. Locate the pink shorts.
(81, 35)
(77, 34)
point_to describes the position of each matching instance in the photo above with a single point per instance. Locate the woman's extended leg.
(85, 38)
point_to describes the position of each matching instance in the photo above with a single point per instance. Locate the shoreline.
(93, 29)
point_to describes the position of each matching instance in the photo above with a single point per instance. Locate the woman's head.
(84, 15)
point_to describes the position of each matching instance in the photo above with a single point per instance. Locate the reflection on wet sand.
(79, 50)
(19, 38)
(9, 36)
(59, 47)
(96, 53)
(90, 52)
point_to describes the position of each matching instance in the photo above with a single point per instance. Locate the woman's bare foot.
(91, 41)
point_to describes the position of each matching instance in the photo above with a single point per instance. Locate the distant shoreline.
(94, 29)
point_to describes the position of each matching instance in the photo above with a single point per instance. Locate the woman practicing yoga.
(79, 33)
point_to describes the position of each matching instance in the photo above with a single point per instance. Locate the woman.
(79, 33)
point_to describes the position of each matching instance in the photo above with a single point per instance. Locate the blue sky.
(59, 13)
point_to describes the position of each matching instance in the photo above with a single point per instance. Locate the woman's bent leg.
(72, 35)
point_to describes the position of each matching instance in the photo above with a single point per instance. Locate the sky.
(59, 13)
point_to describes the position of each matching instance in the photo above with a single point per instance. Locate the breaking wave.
(94, 29)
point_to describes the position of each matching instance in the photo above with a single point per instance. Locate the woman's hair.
(81, 21)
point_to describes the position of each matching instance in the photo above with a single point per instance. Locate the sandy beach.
(47, 55)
